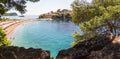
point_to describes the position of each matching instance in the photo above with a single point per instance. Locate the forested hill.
(57, 15)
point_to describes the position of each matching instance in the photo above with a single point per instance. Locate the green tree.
(59, 10)
(18, 5)
(95, 18)
(3, 38)
(6, 5)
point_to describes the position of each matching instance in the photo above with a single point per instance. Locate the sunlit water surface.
(48, 35)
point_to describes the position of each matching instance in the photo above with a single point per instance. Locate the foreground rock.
(99, 47)
(10, 52)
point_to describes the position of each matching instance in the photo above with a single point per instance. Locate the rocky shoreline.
(12, 52)
(99, 47)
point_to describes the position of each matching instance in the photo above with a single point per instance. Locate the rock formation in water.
(11, 52)
(99, 47)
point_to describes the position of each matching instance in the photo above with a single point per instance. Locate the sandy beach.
(9, 26)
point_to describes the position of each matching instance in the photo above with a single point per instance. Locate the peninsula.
(63, 15)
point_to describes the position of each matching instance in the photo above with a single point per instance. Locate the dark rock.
(99, 47)
(9, 55)
(11, 52)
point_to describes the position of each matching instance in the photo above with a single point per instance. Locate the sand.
(9, 28)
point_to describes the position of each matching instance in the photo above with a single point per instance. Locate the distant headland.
(57, 15)
(11, 14)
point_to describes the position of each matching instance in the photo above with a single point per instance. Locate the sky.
(44, 6)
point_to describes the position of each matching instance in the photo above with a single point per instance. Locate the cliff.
(11, 52)
(99, 47)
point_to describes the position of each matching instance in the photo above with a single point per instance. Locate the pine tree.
(18, 5)
(98, 17)
(6, 5)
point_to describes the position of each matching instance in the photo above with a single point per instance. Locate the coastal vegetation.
(3, 38)
(19, 5)
(6, 5)
(96, 18)
(99, 21)
(1, 19)
(62, 15)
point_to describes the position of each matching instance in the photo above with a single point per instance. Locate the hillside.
(57, 15)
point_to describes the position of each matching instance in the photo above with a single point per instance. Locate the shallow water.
(48, 35)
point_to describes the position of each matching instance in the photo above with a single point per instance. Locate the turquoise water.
(48, 35)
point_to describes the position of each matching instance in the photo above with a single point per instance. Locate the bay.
(48, 35)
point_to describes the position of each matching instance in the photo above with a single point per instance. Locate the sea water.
(48, 35)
